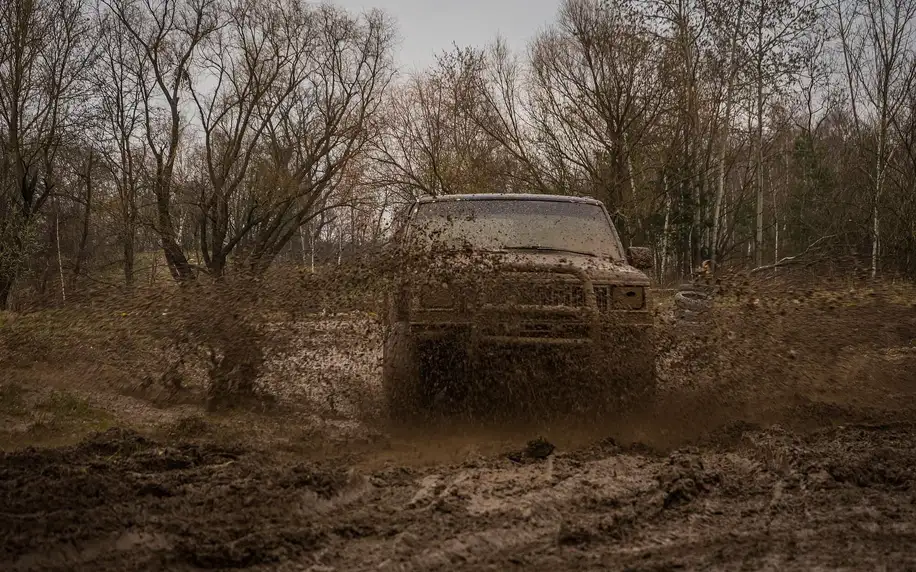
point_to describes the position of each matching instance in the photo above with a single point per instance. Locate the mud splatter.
(783, 437)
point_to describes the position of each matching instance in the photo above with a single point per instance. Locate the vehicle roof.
(510, 196)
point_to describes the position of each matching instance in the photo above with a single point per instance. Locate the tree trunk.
(312, 249)
(666, 229)
(758, 235)
(339, 245)
(637, 229)
(217, 265)
(174, 256)
(60, 259)
(129, 260)
(880, 168)
(775, 220)
(84, 237)
(723, 145)
(302, 246)
(875, 233)
(720, 190)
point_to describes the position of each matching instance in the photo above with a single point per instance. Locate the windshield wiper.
(549, 249)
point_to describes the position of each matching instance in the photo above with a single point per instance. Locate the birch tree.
(46, 50)
(877, 39)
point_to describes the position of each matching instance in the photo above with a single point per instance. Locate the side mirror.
(640, 257)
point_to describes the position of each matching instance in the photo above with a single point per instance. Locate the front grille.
(527, 291)
(603, 297)
(568, 294)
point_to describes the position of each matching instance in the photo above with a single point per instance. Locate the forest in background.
(209, 137)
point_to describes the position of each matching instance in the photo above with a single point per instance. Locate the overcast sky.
(429, 26)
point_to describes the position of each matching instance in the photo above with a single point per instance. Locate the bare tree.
(772, 44)
(118, 82)
(256, 59)
(45, 51)
(167, 35)
(599, 93)
(877, 39)
(309, 160)
(431, 143)
(504, 110)
(731, 25)
(685, 25)
(225, 129)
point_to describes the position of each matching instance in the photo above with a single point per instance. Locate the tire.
(445, 375)
(401, 374)
(682, 315)
(693, 300)
(640, 382)
(626, 371)
(421, 380)
(708, 289)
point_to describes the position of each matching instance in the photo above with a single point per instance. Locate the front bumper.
(565, 309)
(522, 331)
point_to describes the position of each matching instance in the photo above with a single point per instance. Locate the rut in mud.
(763, 498)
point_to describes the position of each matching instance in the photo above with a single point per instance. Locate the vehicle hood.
(598, 269)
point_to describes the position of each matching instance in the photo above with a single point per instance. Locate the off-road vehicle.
(541, 278)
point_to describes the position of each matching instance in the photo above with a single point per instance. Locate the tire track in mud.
(535, 498)
(762, 504)
(763, 498)
(759, 501)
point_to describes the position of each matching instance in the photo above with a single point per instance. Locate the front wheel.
(625, 370)
(401, 377)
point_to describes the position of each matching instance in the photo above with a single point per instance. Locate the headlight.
(436, 296)
(628, 298)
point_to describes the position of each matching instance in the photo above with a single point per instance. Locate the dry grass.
(30, 417)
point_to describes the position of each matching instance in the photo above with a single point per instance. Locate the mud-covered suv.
(543, 279)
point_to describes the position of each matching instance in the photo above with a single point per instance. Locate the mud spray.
(783, 436)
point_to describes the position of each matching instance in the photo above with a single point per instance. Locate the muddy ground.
(789, 452)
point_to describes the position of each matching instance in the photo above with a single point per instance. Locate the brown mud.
(792, 446)
(838, 497)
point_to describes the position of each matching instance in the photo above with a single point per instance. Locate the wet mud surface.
(838, 497)
(794, 449)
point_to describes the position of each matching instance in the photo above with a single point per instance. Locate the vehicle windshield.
(507, 224)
